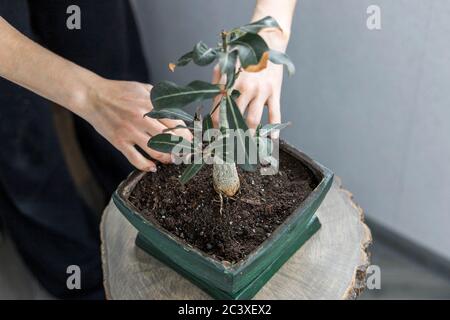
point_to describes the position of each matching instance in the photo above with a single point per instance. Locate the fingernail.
(151, 169)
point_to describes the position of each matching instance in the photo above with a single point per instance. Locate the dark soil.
(192, 212)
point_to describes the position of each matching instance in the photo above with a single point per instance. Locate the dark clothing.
(50, 224)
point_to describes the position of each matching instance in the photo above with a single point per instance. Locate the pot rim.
(322, 173)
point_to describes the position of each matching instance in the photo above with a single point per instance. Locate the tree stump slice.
(331, 265)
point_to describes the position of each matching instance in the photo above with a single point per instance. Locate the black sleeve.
(16, 13)
(107, 42)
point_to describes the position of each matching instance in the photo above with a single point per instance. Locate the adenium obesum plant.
(240, 49)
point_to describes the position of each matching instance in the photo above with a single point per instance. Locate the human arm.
(114, 108)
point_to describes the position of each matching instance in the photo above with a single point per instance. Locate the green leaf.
(278, 57)
(170, 113)
(167, 94)
(206, 125)
(258, 129)
(165, 142)
(191, 170)
(227, 64)
(268, 128)
(203, 55)
(251, 48)
(221, 149)
(235, 94)
(264, 148)
(182, 61)
(234, 116)
(244, 142)
(255, 27)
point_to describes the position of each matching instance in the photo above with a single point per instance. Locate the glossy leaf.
(220, 149)
(264, 147)
(278, 57)
(266, 153)
(255, 27)
(190, 171)
(206, 125)
(234, 116)
(258, 128)
(244, 142)
(167, 94)
(261, 65)
(235, 94)
(269, 128)
(227, 64)
(170, 113)
(265, 144)
(182, 61)
(165, 142)
(203, 55)
(251, 48)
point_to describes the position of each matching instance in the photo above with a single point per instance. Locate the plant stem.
(215, 107)
(225, 176)
(224, 41)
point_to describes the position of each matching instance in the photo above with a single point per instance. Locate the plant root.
(221, 203)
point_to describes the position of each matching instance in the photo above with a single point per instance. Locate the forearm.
(283, 12)
(29, 65)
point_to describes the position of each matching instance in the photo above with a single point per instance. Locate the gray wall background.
(374, 106)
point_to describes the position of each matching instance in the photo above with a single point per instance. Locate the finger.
(274, 107)
(215, 114)
(137, 159)
(142, 140)
(243, 101)
(185, 133)
(153, 126)
(255, 111)
(147, 87)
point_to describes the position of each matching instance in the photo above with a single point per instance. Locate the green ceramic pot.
(244, 279)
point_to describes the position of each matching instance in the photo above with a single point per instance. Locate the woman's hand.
(116, 110)
(259, 89)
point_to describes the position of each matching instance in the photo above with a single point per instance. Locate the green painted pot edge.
(249, 291)
(229, 279)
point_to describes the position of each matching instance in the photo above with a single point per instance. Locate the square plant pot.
(244, 279)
